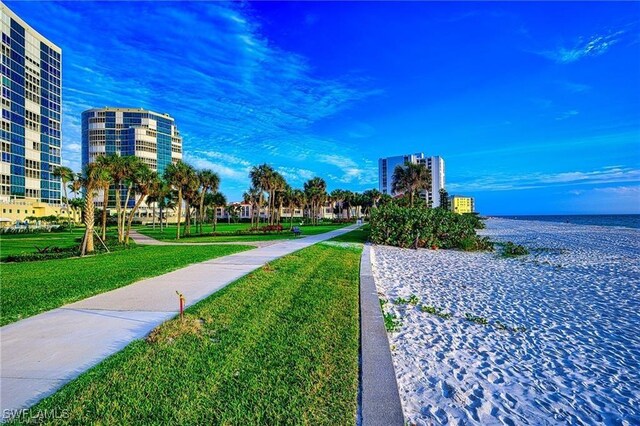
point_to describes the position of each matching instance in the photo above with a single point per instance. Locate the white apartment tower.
(386, 166)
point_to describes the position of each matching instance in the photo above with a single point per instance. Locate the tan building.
(20, 210)
(460, 204)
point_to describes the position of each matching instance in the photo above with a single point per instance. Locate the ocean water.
(622, 220)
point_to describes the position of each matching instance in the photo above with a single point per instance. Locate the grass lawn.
(11, 244)
(279, 346)
(169, 234)
(29, 288)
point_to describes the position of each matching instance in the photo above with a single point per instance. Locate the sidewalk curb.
(380, 400)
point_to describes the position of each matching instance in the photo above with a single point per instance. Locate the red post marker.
(182, 299)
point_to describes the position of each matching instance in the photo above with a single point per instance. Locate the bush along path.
(42, 353)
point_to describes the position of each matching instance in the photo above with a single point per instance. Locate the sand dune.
(561, 343)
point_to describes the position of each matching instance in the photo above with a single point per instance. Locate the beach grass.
(33, 287)
(279, 346)
(228, 231)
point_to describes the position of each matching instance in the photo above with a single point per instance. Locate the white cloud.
(594, 46)
(504, 182)
(567, 114)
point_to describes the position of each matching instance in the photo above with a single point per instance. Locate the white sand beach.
(562, 339)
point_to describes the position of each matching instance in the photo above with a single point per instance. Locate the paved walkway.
(148, 241)
(42, 353)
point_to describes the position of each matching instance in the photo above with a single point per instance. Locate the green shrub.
(391, 322)
(510, 249)
(420, 226)
(476, 319)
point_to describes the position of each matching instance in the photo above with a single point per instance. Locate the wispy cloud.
(238, 99)
(567, 114)
(507, 182)
(595, 45)
(575, 87)
(364, 172)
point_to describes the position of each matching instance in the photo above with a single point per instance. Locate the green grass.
(279, 346)
(33, 287)
(12, 244)
(360, 235)
(169, 234)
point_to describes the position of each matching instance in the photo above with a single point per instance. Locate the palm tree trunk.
(291, 217)
(105, 201)
(118, 208)
(215, 217)
(153, 215)
(64, 187)
(201, 211)
(89, 217)
(187, 218)
(130, 220)
(124, 211)
(179, 213)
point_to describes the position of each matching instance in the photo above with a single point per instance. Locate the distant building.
(152, 137)
(30, 139)
(20, 210)
(460, 204)
(386, 166)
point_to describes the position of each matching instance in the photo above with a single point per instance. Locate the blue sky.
(535, 107)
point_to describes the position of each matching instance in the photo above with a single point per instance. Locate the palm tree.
(209, 181)
(316, 191)
(77, 204)
(144, 180)
(157, 190)
(215, 200)
(179, 175)
(253, 198)
(279, 188)
(295, 199)
(190, 194)
(66, 175)
(93, 179)
(411, 178)
(105, 161)
(262, 178)
(75, 185)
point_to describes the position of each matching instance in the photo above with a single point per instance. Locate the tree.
(215, 200)
(253, 198)
(65, 174)
(263, 178)
(315, 191)
(105, 161)
(411, 178)
(209, 182)
(179, 175)
(92, 180)
(233, 211)
(279, 189)
(144, 180)
(75, 185)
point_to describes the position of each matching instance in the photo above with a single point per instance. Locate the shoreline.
(558, 345)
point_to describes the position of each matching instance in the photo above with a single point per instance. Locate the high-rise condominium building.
(152, 137)
(30, 140)
(386, 166)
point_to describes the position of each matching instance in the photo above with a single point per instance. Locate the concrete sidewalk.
(148, 241)
(42, 353)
